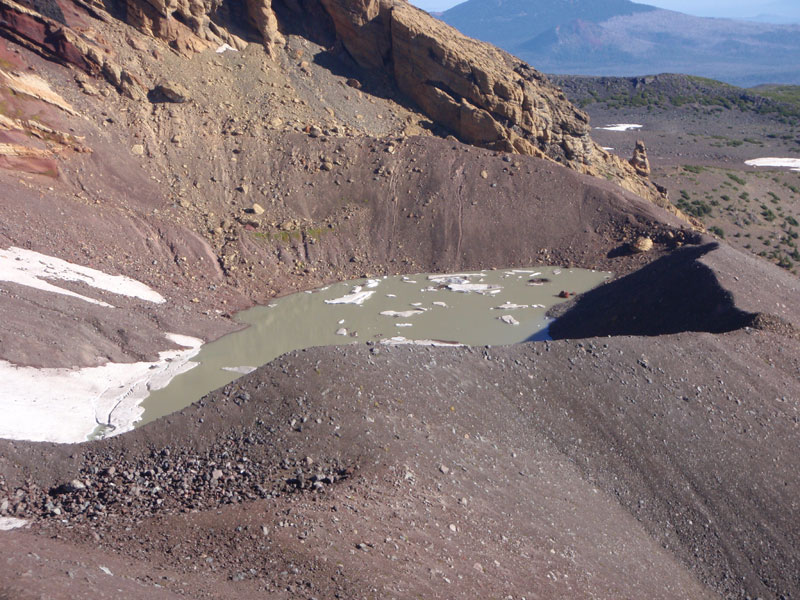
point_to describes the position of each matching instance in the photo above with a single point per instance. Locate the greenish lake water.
(495, 307)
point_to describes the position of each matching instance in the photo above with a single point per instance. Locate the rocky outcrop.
(483, 95)
(639, 159)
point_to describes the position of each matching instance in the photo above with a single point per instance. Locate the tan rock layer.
(483, 95)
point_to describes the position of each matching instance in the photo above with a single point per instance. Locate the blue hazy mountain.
(622, 38)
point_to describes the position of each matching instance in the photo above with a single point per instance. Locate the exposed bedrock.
(483, 95)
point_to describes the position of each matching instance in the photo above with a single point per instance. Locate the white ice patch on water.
(404, 325)
(787, 163)
(243, 370)
(66, 405)
(9, 523)
(372, 283)
(404, 314)
(442, 304)
(509, 320)
(31, 269)
(356, 296)
(341, 331)
(621, 127)
(510, 306)
(479, 288)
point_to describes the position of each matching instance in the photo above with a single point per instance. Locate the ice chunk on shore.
(225, 48)
(32, 269)
(402, 341)
(356, 296)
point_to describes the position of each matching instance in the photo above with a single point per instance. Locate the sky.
(702, 8)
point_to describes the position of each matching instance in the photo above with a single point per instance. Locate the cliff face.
(483, 95)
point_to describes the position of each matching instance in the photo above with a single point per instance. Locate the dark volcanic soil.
(616, 466)
(649, 452)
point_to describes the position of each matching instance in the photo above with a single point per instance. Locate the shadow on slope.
(673, 294)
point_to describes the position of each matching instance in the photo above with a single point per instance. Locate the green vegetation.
(718, 231)
(696, 169)
(736, 178)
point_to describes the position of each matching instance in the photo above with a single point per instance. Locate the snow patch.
(9, 523)
(31, 269)
(621, 127)
(67, 405)
(225, 48)
(788, 163)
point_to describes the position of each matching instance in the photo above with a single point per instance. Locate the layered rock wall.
(483, 95)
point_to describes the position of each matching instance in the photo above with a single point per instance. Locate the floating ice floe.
(9, 523)
(341, 331)
(32, 269)
(621, 127)
(442, 304)
(402, 341)
(243, 370)
(404, 325)
(479, 288)
(372, 283)
(356, 296)
(509, 320)
(510, 306)
(66, 405)
(405, 314)
(225, 48)
(787, 163)
(530, 272)
(391, 295)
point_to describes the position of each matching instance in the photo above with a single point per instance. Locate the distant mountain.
(622, 38)
(779, 11)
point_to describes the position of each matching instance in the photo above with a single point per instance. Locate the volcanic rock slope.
(649, 451)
